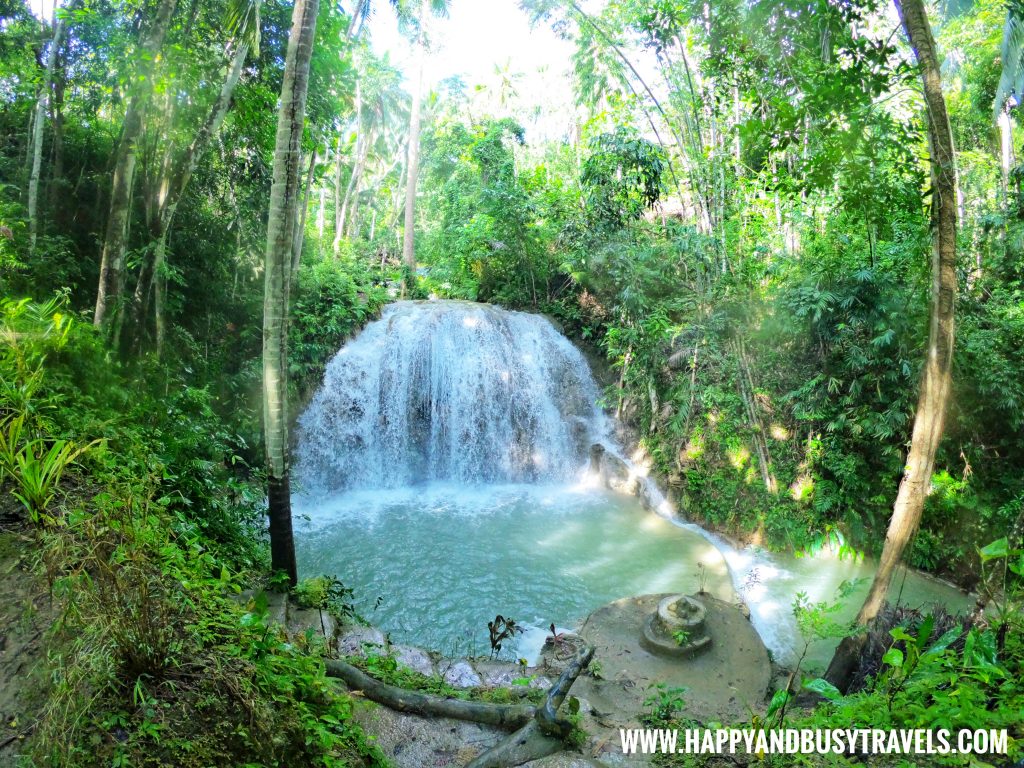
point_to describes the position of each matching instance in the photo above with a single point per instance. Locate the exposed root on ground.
(540, 732)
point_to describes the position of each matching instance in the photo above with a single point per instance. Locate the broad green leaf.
(823, 687)
(779, 700)
(998, 548)
(893, 657)
(948, 638)
(924, 632)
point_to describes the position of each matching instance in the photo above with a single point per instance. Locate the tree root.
(526, 744)
(544, 734)
(404, 700)
(540, 731)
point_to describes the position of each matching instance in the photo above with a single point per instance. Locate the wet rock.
(613, 471)
(541, 682)
(415, 659)
(277, 608)
(461, 674)
(495, 674)
(357, 641)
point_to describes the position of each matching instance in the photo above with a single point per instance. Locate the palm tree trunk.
(285, 195)
(112, 259)
(936, 379)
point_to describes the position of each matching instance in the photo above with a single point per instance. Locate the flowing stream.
(442, 466)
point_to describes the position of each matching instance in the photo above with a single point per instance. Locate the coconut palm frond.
(242, 21)
(1011, 82)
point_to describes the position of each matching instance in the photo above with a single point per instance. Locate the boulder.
(461, 674)
(356, 641)
(413, 658)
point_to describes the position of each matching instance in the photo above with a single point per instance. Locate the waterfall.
(449, 391)
(445, 423)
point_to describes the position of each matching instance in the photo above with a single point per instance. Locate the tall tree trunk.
(171, 187)
(285, 195)
(936, 379)
(351, 225)
(57, 174)
(112, 259)
(413, 169)
(300, 224)
(1005, 151)
(44, 105)
(337, 196)
(360, 141)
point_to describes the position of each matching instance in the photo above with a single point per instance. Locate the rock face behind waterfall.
(449, 390)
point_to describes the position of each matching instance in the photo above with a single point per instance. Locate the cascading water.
(442, 466)
(451, 391)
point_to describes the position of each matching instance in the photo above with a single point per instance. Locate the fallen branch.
(544, 734)
(404, 700)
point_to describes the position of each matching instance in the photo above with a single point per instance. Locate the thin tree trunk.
(300, 225)
(112, 258)
(357, 155)
(57, 174)
(747, 392)
(44, 104)
(320, 222)
(281, 222)
(171, 188)
(936, 379)
(1005, 151)
(413, 167)
(352, 221)
(337, 198)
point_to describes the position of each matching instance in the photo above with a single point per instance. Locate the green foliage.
(494, 238)
(764, 325)
(326, 593)
(951, 682)
(183, 674)
(665, 703)
(332, 300)
(37, 475)
(621, 177)
(154, 661)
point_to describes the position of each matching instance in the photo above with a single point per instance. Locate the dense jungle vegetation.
(199, 201)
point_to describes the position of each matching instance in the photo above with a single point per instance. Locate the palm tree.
(285, 198)
(936, 379)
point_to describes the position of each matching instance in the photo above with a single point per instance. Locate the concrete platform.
(725, 682)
